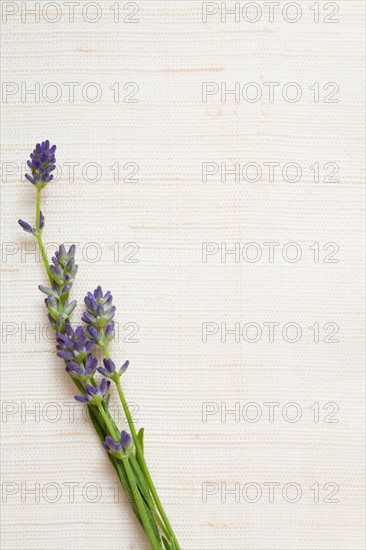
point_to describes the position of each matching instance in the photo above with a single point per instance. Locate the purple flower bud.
(115, 446)
(89, 346)
(104, 386)
(91, 363)
(98, 293)
(28, 228)
(74, 369)
(88, 318)
(65, 355)
(124, 367)
(126, 440)
(104, 372)
(109, 365)
(109, 331)
(81, 398)
(109, 368)
(94, 333)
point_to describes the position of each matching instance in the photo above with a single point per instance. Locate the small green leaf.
(140, 436)
(106, 401)
(166, 543)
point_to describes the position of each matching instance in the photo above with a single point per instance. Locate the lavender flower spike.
(42, 163)
(99, 316)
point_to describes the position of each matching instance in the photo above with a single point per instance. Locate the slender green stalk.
(168, 530)
(112, 431)
(140, 504)
(143, 462)
(38, 236)
(131, 478)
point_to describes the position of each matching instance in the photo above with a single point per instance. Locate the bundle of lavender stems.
(77, 347)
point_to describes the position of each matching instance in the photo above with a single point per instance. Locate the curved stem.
(38, 235)
(44, 257)
(140, 504)
(151, 502)
(108, 423)
(143, 462)
(106, 351)
(133, 485)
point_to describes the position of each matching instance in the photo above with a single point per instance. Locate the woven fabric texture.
(211, 172)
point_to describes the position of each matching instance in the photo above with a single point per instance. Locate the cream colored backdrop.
(139, 132)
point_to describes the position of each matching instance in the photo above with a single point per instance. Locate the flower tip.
(126, 440)
(124, 367)
(80, 398)
(28, 228)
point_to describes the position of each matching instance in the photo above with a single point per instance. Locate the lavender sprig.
(42, 163)
(75, 348)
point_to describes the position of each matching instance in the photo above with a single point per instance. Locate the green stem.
(143, 462)
(131, 478)
(167, 526)
(106, 351)
(108, 423)
(140, 504)
(38, 235)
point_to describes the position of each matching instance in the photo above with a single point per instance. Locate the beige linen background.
(141, 236)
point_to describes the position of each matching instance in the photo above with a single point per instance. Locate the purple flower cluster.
(73, 345)
(63, 267)
(84, 372)
(109, 370)
(42, 163)
(117, 447)
(94, 395)
(99, 315)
